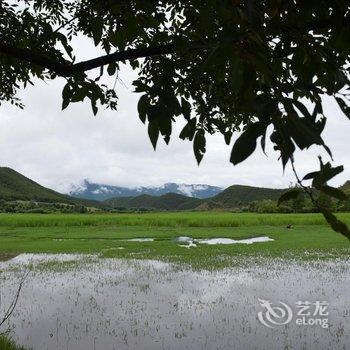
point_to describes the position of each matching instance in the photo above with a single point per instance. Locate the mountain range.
(101, 192)
(16, 187)
(231, 197)
(168, 201)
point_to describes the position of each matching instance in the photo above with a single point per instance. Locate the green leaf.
(186, 108)
(228, 136)
(263, 142)
(153, 113)
(236, 73)
(165, 127)
(302, 108)
(311, 175)
(326, 173)
(343, 106)
(94, 107)
(142, 107)
(318, 109)
(292, 194)
(153, 133)
(111, 69)
(97, 29)
(199, 145)
(66, 94)
(336, 224)
(65, 104)
(189, 130)
(167, 139)
(242, 149)
(79, 94)
(331, 172)
(171, 103)
(245, 145)
(304, 131)
(65, 44)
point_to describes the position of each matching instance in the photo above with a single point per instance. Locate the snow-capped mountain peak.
(90, 190)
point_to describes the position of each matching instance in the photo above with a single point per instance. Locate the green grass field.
(7, 344)
(164, 219)
(105, 234)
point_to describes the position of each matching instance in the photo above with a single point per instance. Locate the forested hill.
(232, 197)
(169, 201)
(14, 186)
(240, 194)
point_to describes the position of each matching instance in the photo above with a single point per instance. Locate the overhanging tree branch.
(34, 58)
(123, 56)
(67, 69)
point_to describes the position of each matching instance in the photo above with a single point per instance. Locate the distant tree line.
(40, 207)
(299, 205)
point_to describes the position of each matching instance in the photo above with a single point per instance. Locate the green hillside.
(236, 196)
(232, 197)
(169, 201)
(239, 194)
(14, 186)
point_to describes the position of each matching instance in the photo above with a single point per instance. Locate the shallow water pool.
(144, 304)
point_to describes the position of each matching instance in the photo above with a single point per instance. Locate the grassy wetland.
(111, 235)
(171, 280)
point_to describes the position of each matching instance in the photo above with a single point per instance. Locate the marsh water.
(81, 303)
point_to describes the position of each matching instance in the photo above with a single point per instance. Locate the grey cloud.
(59, 148)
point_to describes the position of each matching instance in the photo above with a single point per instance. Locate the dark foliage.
(230, 66)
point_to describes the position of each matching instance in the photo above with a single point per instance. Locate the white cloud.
(58, 148)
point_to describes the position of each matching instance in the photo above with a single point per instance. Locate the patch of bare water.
(33, 259)
(121, 304)
(188, 242)
(212, 241)
(141, 240)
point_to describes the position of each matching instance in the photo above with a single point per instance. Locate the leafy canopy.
(223, 65)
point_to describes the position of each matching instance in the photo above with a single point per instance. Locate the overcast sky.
(58, 148)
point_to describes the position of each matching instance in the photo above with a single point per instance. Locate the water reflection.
(119, 304)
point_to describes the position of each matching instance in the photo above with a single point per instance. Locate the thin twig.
(306, 189)
(14, 302)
